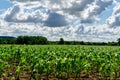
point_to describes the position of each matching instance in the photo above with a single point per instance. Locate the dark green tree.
(61, 41)
(31, 40)
(19, 40)
(118, 41)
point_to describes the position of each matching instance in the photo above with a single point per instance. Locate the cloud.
(88, 11)
(23, 15)
(76, 7)
(25, 0)
(55, 20)
(61, 18)
(28, 13)
(114, 20)
(91, 13)
(10, 16)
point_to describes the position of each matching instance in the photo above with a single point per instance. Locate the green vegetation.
(61, 41)
(41, 40)
(35, 62)
(31, 40)
(118, 41)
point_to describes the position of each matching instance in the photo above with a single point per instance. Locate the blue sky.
(5, 4)
(80, 20)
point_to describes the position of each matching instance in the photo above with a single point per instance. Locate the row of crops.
(27, 62)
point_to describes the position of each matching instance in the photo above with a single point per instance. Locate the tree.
(20, 40)
(118, 41)
(31, 40)
(61, 41)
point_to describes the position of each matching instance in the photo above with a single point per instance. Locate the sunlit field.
(53, 62)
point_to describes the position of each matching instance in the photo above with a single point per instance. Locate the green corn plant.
(17, 73)
(47, 69)
(2, 66)
(58, 68)
(40, 69)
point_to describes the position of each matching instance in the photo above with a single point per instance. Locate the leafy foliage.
(43, 41)
(60, 62)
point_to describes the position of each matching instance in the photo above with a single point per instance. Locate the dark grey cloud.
(88, 20)
(77, 7)
(102, 5)
(55, 1)
(10, 17)
(55, 20)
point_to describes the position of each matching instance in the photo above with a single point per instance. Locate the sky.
(79, 20)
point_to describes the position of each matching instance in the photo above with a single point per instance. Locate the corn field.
(59, 62)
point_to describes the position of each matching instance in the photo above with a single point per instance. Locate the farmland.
(53, 62)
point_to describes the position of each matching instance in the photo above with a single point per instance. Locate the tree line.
(24, 40)
(41, 40)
